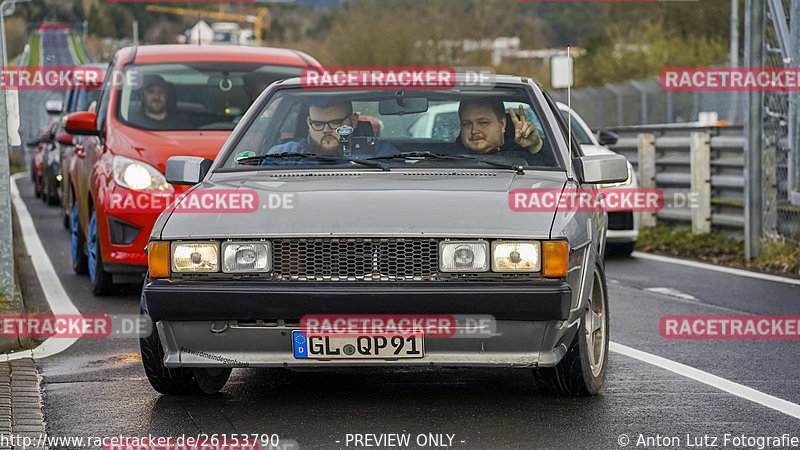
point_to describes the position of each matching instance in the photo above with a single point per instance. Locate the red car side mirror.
(82, 123)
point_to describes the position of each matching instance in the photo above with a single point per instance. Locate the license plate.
(389, 346)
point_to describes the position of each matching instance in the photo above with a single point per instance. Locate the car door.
(88, 149)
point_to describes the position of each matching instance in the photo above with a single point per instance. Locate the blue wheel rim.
(93, 245)
(73, 237)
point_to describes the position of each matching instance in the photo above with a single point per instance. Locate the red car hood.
(155, 147)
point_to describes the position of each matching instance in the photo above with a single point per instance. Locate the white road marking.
(671, 292)
(54, 293)
(778, 404)
(728, 270)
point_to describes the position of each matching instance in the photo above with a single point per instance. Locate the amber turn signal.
(555, 258)
(158, 259)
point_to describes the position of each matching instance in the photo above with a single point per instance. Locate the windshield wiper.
(440, 156)
(314, 156)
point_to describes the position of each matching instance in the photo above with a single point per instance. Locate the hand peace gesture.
(525, 134)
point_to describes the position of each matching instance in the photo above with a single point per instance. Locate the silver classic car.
(315, 240)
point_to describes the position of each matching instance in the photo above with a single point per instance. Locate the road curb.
(21, 419)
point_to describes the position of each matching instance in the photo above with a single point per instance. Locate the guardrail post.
(700, 165)
(770, 190)
(647, 172)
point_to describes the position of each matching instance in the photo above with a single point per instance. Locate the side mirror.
(64, 138)
(605, 137)
(187, 169)
(54, 106)
(82, 123)
(601, 169)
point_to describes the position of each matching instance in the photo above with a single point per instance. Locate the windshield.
(577, 130)
(192, 96)
(386, 125)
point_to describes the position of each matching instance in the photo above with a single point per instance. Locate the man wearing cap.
(156, 95)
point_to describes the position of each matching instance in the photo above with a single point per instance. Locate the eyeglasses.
(319, 125)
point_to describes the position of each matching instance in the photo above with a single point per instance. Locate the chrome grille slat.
(355, 259)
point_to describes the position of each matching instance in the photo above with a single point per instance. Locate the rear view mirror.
(403, 105)
(64, 138)
(186, 170)
(54, 106)
(601, 169)
(605, 137)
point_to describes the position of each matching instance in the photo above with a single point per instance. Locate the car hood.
(155, 147)
(355, 203)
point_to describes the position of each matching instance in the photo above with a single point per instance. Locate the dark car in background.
(42, 152)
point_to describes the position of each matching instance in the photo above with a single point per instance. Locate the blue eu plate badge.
(300, 342)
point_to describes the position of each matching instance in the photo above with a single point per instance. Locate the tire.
(164, 380)
(211, 380)
(77, 243)
(52, 199)
(101, 280)
(582, 370)
(620, 248)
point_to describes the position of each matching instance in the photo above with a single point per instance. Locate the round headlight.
(137, 177)
(463, 256)
(246, 255)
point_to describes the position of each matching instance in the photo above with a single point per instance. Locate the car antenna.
(569, 113)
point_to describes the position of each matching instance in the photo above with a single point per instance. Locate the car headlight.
(621, 183)
(516, 256)
(195, 257)
(245, 256)
(468, 256)
(137, 175)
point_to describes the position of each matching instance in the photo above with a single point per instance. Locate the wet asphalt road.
(98, 388)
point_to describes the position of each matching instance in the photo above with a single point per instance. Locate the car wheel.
(65, 218)
(582, 370)
(52, 199)
(77, 243)
(167, 381)
(621, 249)
(101, 280)
(211, 380)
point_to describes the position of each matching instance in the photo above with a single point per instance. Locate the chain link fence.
(643, 102)
(781, 218)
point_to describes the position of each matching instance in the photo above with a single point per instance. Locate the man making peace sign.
(483, 124)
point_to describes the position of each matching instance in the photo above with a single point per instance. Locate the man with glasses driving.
(323, 120)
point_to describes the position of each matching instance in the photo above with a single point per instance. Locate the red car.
(157, 101)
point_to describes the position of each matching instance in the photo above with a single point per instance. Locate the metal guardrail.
(673, 174)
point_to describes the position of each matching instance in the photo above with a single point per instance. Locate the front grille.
(355, 259)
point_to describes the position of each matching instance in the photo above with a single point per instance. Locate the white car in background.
(623, 226)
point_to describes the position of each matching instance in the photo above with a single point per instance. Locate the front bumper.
(257, 300)
(213, 324)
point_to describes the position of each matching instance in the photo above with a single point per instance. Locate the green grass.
(36, 50)
(15, 164)
(77, 49)
(778, 256)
